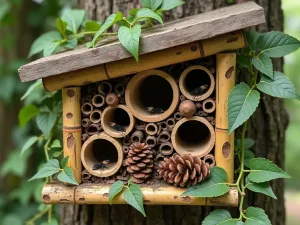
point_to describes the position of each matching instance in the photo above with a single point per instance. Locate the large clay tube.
(118, 116)
(99, 148)
(152, 95)
(193, 135)
(197, 83)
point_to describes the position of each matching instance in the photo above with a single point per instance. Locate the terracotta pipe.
(177, 116)
(119, 89)
(187, 108)
(209, 105)
(85, 122)
(137, 136)
(87, 108)
(112, 100)
(98, 100)
(105, 88)
(151, 129)
(95, 116)
(164, 136)
(210, 159)
(151, 141)
(166, 149)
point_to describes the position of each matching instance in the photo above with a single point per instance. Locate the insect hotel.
(161, 121)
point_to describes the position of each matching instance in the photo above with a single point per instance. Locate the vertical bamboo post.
(72, 129)
(224, 148)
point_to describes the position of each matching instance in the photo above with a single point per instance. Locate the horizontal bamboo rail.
(98, 194)
(195, 50)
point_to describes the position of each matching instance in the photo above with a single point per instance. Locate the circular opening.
(119, 116)
(120, 88)
(95, 116)
(105, 88)
(164, 137)
(98, 100)
(92, 129)
(197, 82)
(85, 122)
(86, 108)
(151, 128)
(150, 142)
(171, 122)
(163, 125)
(135, 139)
(209, 161)
(209, 105)
(177, 116)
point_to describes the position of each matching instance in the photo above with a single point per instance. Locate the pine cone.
(139, 162)
(183, 171)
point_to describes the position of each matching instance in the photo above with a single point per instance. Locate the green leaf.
(50, 48)
(71, 44)
(170, 4)
(213, 186)
(220, 217)
(29, 143)
(46, 121)
(241, 105)
(67, 176)
(130, 39)
(248, 143)
(64, 162)
(49, 169)
(111, 20)
(61, 26)
(263, 170)
(33, 87)
(252, 37)
(4, 9)
(263, 188)
(277, 44)
(147, 13)
(74, 19)
(244, 61)
(27, 113)
(92, 26)
(248, 156)
(42, 42)
(57, 154)
(264, 64)
(280, 86)
(133, 196)
(56, 144)
(152, 4)
(256, 216)
(115, 189)
(53, 222)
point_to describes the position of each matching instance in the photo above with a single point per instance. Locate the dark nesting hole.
(119, 116)
(150, 142)
(103, 150)
(195, 79)
(98, 100)
(155, 91)
(209, 105)
(105, 88)
(135, 139)
(209, 161)
(87, 108)
(165, 148)
(96, 116)
(170, 122)
(164, 137)
(151, 128)
(92, 129)
(163, 125)
(120, 88)
(178, 116)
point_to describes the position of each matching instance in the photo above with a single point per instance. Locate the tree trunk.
(267, 128)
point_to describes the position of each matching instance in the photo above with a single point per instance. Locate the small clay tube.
(166, 149)
(92, 129)
(112, 100)
(137, 136)
(95, 116)
(171, 123)
(151, 141)
(85, 122)
(177, 116)
(98, 100)
(209, 105)
(163, 126)
(151, 129)
(164, 136)
(119, 89)
(187, 108)
(210, 159)
(105, 88)
(87, 108)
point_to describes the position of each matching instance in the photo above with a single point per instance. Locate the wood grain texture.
(183, 31)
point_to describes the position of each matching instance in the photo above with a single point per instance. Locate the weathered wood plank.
(190, 29)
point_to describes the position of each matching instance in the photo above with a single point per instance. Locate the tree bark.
(267, 127)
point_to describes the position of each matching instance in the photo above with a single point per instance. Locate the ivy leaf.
(111, 20)
(152, 4)
(42, 42)
(92, 26)
(263, 170)
(256, 216)
(280, 86)
(220, 217)
(67, 176)
(74, 19)
(264, 64)
(263, 188)
(277, 44)
(27, 113)
(241, 105)
(130, 39)
(214, 186)
(115, 189)
(248, 156)
(64, 161)
(147, 13)
(61, 26)
(133, 196)
(33, 87)
(252, 37)
(45, 122)
(31, 141)
(51, 47)
(49, 169)
(170, 4)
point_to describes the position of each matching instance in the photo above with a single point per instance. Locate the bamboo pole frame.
(224, 148)
(98, 194)
(195, 50)
(72, 129)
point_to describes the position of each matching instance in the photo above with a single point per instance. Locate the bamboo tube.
(87, 108)
(171, 123)
(209, 105)
(126, 141)
(187, 108)
(224, 152)
(98, 100)
(166, 195)
(119, 89)
(166, 149)
(151, 129)
(210, 159)
(182, 53)
(177, 116)
(137, 136)
(93, 129)
(112, 100)
(125, 149)
(151, 141)
(105, 88)
(164, 136)
(226, 70)
(72, 129)
(140, 126)
(159, 157)
(163, 126)
(86, 176)
(112, 117)
(98, 148)
(197, 79)
(193, 135)
(152, 90)
(84, 137)
(85, 122)
(95, 116)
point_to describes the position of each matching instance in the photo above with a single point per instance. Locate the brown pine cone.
(139, 162)
(183, 171)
